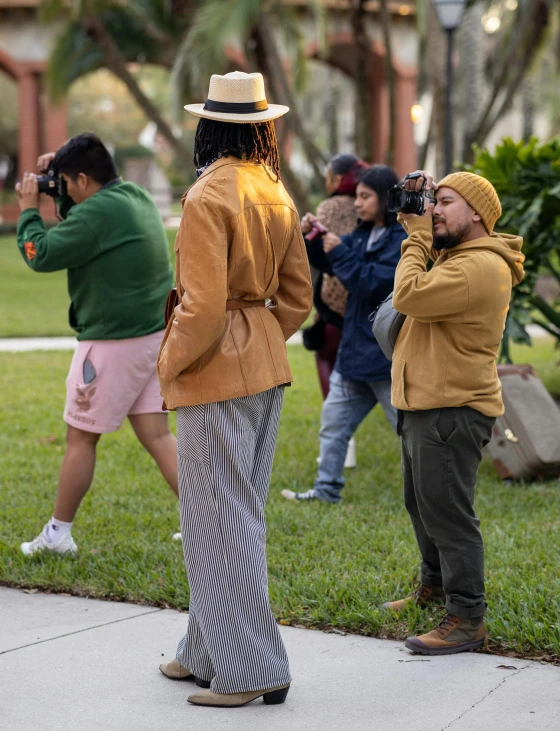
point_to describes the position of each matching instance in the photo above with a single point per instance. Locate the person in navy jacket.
(365, 262)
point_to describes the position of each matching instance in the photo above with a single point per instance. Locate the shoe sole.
(69, 551)
(419, 647)
(388, 608)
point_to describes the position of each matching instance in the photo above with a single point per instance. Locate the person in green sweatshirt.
(113, 245)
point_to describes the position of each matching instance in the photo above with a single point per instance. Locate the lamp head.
(449, 13)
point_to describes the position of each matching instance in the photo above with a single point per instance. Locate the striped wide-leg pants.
(225, 453)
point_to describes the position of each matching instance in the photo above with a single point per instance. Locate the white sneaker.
(177, 537)
(350, 460)
(299, 496)
(65, 544)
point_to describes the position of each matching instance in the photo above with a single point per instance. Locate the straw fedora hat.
(237, 97)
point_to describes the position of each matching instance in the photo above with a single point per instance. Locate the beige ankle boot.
(175, 671)
(271, 697)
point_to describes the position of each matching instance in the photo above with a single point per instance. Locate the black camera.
(410, 201)
(52, 183)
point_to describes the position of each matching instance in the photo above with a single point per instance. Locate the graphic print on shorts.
(83, 397)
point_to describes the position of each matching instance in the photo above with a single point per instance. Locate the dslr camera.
(51, 183)
(317, 230)
(410, 201)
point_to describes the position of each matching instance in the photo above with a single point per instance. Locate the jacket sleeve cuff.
(420, 224)
(337, 253)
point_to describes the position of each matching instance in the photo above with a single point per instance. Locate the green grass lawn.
(330, 566)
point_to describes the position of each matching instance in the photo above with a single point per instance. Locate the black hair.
(342, 163)
(255, 141)
(381, 178)
(85, 153)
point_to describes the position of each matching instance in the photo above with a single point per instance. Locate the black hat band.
(235, 107)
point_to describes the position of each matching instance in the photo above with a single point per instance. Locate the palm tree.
(249, 23)
(110, 34)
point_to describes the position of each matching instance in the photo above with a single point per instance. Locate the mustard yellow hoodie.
(446, 352)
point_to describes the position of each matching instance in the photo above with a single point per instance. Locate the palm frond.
(215, 24)
(294, 41)
(76, 54)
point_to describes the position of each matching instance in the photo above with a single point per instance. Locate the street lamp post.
(449, 14)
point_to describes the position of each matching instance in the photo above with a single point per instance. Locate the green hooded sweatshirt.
(115, 250)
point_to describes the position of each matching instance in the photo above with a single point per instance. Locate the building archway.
(42, 126)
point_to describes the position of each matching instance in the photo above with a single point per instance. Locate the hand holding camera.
(413, 195)
(28, 192)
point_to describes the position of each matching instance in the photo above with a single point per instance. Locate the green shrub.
(527, 179)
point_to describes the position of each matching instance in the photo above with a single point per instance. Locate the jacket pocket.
(399, 383)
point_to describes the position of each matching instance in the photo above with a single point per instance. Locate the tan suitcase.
(525, 443)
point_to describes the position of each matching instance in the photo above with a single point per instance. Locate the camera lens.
(397, 199)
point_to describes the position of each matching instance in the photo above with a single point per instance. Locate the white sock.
(56, 529)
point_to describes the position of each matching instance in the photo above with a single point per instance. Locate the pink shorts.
(110, 380)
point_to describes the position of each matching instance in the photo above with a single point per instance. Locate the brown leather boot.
(420, 597)
(453, 634)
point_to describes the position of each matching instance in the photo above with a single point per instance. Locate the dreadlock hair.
(254, 141)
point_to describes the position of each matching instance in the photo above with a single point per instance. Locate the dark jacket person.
(365, 262)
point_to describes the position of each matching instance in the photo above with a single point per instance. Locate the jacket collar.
(221, 162)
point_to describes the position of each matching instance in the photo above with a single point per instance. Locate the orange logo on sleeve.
(30, 250)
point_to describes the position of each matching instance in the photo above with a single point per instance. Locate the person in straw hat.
(244, 288)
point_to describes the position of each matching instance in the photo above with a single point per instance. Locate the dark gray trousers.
(441, 452)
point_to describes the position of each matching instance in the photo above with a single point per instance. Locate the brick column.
(55, 126)
(406, 157)
(29, 127)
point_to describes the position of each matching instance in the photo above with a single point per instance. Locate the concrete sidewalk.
(22, 345)
(71, 663)
(25, 345)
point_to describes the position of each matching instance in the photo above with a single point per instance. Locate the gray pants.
(225, 453)
(441, 452)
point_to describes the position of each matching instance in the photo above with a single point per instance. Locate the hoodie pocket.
(399, 383)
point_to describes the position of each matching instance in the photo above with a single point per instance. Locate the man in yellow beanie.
(447, 391)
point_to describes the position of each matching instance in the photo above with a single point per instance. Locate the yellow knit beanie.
(479, 194)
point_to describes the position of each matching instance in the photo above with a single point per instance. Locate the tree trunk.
(258, 59)
(472, 64)
(116, 64)
(435, 62)
(362, 81)
(390, 79)
(270, 62)
(528, 108)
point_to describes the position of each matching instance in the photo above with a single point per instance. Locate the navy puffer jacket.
(369, 277)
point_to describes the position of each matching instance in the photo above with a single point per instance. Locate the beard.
(449, 239)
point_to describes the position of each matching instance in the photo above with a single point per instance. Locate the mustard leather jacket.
(239, 239)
